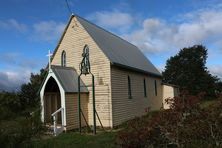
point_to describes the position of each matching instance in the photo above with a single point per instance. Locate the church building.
(126, 83)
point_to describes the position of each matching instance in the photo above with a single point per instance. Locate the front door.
(52, 104)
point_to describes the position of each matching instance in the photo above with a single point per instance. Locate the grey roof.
(119, 51)
(68, 78)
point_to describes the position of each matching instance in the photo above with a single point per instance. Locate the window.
(144, 87)
(129, 88)
(63, 58)
(155, 87)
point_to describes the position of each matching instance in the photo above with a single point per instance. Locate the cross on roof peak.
(49, 55)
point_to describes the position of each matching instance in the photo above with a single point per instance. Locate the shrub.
(23, 129)
(185, 124)
(9, 105)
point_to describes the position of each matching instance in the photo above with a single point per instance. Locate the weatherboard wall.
(73, 42)
(125, 108)
(72, 120)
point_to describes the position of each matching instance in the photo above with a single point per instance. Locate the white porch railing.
(57, 130)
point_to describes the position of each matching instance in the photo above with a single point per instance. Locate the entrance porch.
(59, 105)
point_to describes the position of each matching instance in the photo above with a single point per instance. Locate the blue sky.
(29, 28)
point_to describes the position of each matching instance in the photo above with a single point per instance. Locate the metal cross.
(49, 55)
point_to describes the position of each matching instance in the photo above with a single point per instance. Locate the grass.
(102, 139)
(74, 139)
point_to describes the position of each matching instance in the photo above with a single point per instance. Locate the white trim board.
(62, 95)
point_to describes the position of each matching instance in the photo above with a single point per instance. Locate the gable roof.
(119, 51)
(68, 78)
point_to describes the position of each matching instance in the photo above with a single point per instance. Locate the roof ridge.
(147, 66)
(95, 30)
(104, 30)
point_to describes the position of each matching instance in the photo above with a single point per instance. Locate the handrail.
(53, 114)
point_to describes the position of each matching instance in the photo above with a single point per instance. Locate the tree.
(219, 87)
(9, 105)
(188, 70)
(29, 92)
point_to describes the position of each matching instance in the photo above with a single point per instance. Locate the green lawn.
(75, 140)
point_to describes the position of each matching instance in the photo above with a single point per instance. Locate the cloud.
(158, 35)
(112, 19)
(41, 31)
(15, 70)
(11, 81)
(16, 67)
(216, 70)
(160, 67)
(12, 24)
(48, 30)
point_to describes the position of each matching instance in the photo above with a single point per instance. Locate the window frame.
(129, 87)
(144, 88)
(63, 59)
(155, 87)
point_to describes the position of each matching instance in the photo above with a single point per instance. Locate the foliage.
(29, 92)
(20, 114)
(9, 105)
(14, 104)
(219, 87)
(21, 129)
(188, 70)
(185, 124)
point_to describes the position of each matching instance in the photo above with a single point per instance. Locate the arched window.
(129, 88)
(63, 59)
(144, 87)
(155, 87)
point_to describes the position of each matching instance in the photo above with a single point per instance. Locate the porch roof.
(68, 78)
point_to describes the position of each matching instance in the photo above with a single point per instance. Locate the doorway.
(52, 101)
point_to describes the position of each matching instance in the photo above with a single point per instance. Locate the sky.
(160, 28)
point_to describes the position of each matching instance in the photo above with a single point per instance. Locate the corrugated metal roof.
(68, 78)
(119, 51)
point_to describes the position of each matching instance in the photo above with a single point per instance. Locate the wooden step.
(50, 130)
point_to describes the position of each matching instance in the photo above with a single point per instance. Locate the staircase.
(57, 128)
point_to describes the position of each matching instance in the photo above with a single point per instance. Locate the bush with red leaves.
(185, 124)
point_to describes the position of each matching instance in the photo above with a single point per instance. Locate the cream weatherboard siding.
(103, 105)
(125, 108)
(71, 100)
(73, 42)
